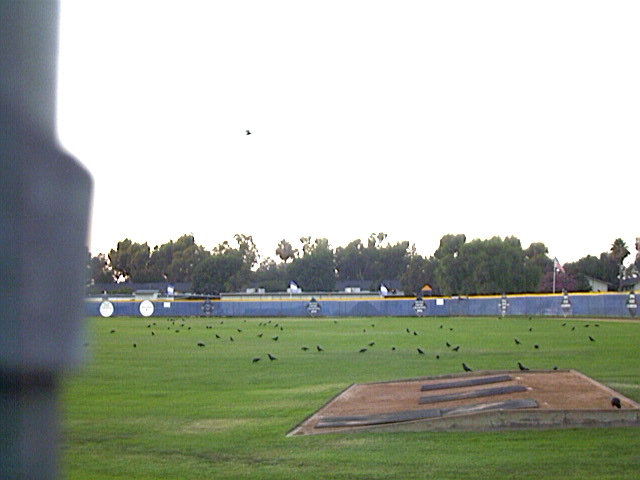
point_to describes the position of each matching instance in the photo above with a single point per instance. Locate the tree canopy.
(457, 267)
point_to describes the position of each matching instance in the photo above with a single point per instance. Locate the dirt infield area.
(474, 401)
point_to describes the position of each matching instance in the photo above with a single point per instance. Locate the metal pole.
(44, 211)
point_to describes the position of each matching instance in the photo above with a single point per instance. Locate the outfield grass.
(168, 408)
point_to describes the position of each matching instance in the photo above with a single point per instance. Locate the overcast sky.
(413, 118)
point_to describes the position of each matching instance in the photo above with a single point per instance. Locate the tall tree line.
(457, 267)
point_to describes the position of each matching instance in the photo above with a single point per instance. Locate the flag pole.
(554, 276)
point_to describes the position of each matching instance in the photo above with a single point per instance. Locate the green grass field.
(168, 408)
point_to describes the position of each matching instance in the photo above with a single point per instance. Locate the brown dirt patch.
(554, 391)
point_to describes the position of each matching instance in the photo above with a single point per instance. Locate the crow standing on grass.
(615, 402)
(466, 367)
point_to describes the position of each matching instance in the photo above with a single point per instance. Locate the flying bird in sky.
(248, 132)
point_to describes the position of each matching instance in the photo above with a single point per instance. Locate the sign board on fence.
(632, 305)
(419, 306)
(106, 308)
(146, 308)
(503, 305)
(314, 307)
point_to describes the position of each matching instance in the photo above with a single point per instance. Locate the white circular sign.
(146, 308)
(106, 308)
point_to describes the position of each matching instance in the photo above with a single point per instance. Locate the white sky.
(413, 118)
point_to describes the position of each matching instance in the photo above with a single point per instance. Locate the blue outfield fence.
(615, 305)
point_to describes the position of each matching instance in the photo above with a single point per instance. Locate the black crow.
(415, 333)
(591, 338)
(437, 357)
(319, 348)
(371, 344)
(248, 132)
(448, 344)
(362, 350)
(456, 348)
(217, 336)
(615, 402)
(239, 330)
(271, 357)
(420, 351)
(201, 344)
(536, 346)
(256, 359)
(275, 338)
(304, 348)
(113, 331)
(134, 345)
(517, 341)
(393, 348)
(231, 338)
(521, 366)
(466, 367)
(260, 335)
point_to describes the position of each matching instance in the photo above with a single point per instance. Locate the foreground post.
(44, 205)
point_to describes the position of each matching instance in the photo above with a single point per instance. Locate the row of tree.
(458, 267)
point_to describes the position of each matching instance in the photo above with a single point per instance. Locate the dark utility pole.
(44, 211)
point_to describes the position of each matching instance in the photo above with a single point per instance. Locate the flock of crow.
(178, 325)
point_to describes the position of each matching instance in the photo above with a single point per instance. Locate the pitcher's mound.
(490, 400)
